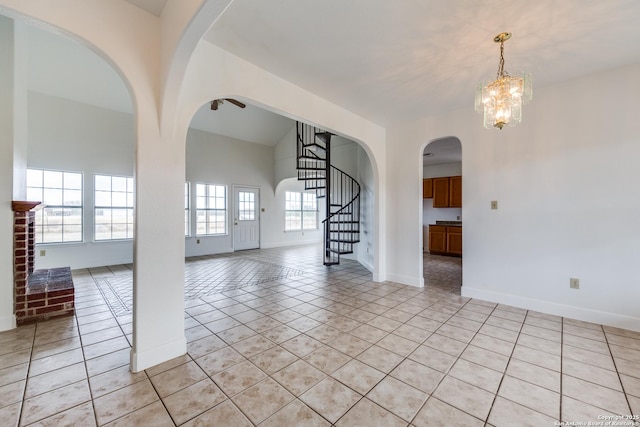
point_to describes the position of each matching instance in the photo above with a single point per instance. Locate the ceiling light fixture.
(501, 100)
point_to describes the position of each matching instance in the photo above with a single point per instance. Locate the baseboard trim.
(564, 310)
(406, 280)
(8, 322)
(152, 357)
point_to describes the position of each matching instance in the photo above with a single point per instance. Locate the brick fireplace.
(40, 294)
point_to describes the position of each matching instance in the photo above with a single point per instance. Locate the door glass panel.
(246, 206)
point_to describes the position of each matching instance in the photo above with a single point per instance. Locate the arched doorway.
(442, 214)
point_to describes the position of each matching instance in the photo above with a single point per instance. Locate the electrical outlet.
(494, 204)
(43, 252)
(198, 241)
(574, 283)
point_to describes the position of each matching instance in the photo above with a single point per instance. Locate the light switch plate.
(494, 204)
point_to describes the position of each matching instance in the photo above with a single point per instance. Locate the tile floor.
(317, 346)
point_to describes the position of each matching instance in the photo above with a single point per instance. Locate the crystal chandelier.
(501, 100)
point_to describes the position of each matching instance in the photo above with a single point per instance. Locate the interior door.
(246, 218)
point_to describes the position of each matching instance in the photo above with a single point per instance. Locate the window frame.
(204, 209)
(62, 207)
(300, 200)
(129, 197)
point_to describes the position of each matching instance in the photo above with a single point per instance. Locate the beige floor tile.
(280, 334)
(327, 359)
(175, 379)
(108, 362)
(11, 393)
(196, 332)
(56, 347)
(625, 353)
(433, 358)
(589, 357)
(489, 359)
(238, 378)
(456, 333)
(124, 401)
(81, 415)
(273, 359)
(350, 345)
(262, 324)
(634, 402)
(445, 344)
(296, 414)
(412, 333)
(384, 323)
(586, 344)
(203, 346)
(55, 361)
(537, 357)
(302, 345)
(303, 324)
(466, 397)
(530, 395)
(103, 335)
(508, 413)
(358, 376)
(477, 375)
(58, 400)
(591, 373)
(436, 412)
(15, 358)
(399, 398)
(503, 323)
(631, 385)
(534, 374)
(154, 415)
(114, 379)
(593, 394)
(223, 414)
(330, 399)
(13, 374)
(262, 400)
(594, 334)
(10, 415)
(194, 400)
(380, 358)
(548, 346)
(219, 360)
(105, 347)
(252, 346)
(423, 323)
(54, 379)
(398, 344)
(344, 324)
(575, 411)
(299, 377)
(417, 375)
(369, 333)
(223, 324)
(464, 323)
(365, 413)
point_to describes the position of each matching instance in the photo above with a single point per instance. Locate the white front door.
(246, 218)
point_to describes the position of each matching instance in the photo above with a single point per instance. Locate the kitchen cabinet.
(441, 192)
(455, 192)
(445, 240)
(447, 192)
(437, 238)
(427, 188)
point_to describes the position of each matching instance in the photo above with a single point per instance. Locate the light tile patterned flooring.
(322, 347)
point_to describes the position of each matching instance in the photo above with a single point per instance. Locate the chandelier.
(501, 100)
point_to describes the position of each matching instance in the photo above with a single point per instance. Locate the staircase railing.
(342, 222)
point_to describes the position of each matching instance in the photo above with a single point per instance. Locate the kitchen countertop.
(449, 223)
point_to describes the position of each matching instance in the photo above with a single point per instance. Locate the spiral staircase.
(342, 192)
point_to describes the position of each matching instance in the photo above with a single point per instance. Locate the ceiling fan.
(216, 102)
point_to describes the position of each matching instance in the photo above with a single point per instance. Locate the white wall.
(566, 183)
(70, 136)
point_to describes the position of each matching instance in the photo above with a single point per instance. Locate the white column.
(13, 143)
(158, 317)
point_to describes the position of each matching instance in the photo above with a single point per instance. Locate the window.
(187, 210)
(301, 211)
(61, 220)
(246, 206)
(211, 212)
(113, 207)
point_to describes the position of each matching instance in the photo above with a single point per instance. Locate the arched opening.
(442, 214)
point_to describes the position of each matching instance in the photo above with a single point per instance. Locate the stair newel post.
(329, 195)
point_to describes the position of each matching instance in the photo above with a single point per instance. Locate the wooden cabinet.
(441, 192)
(445, 240)
(455, 192)
(437, 238)
(427, 188)
(454, 240)
(447, 192)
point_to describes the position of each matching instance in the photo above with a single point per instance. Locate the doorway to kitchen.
(442, 248)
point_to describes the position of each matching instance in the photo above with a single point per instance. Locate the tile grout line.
(615, 365)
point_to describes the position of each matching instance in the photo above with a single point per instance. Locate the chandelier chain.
(501, 71)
